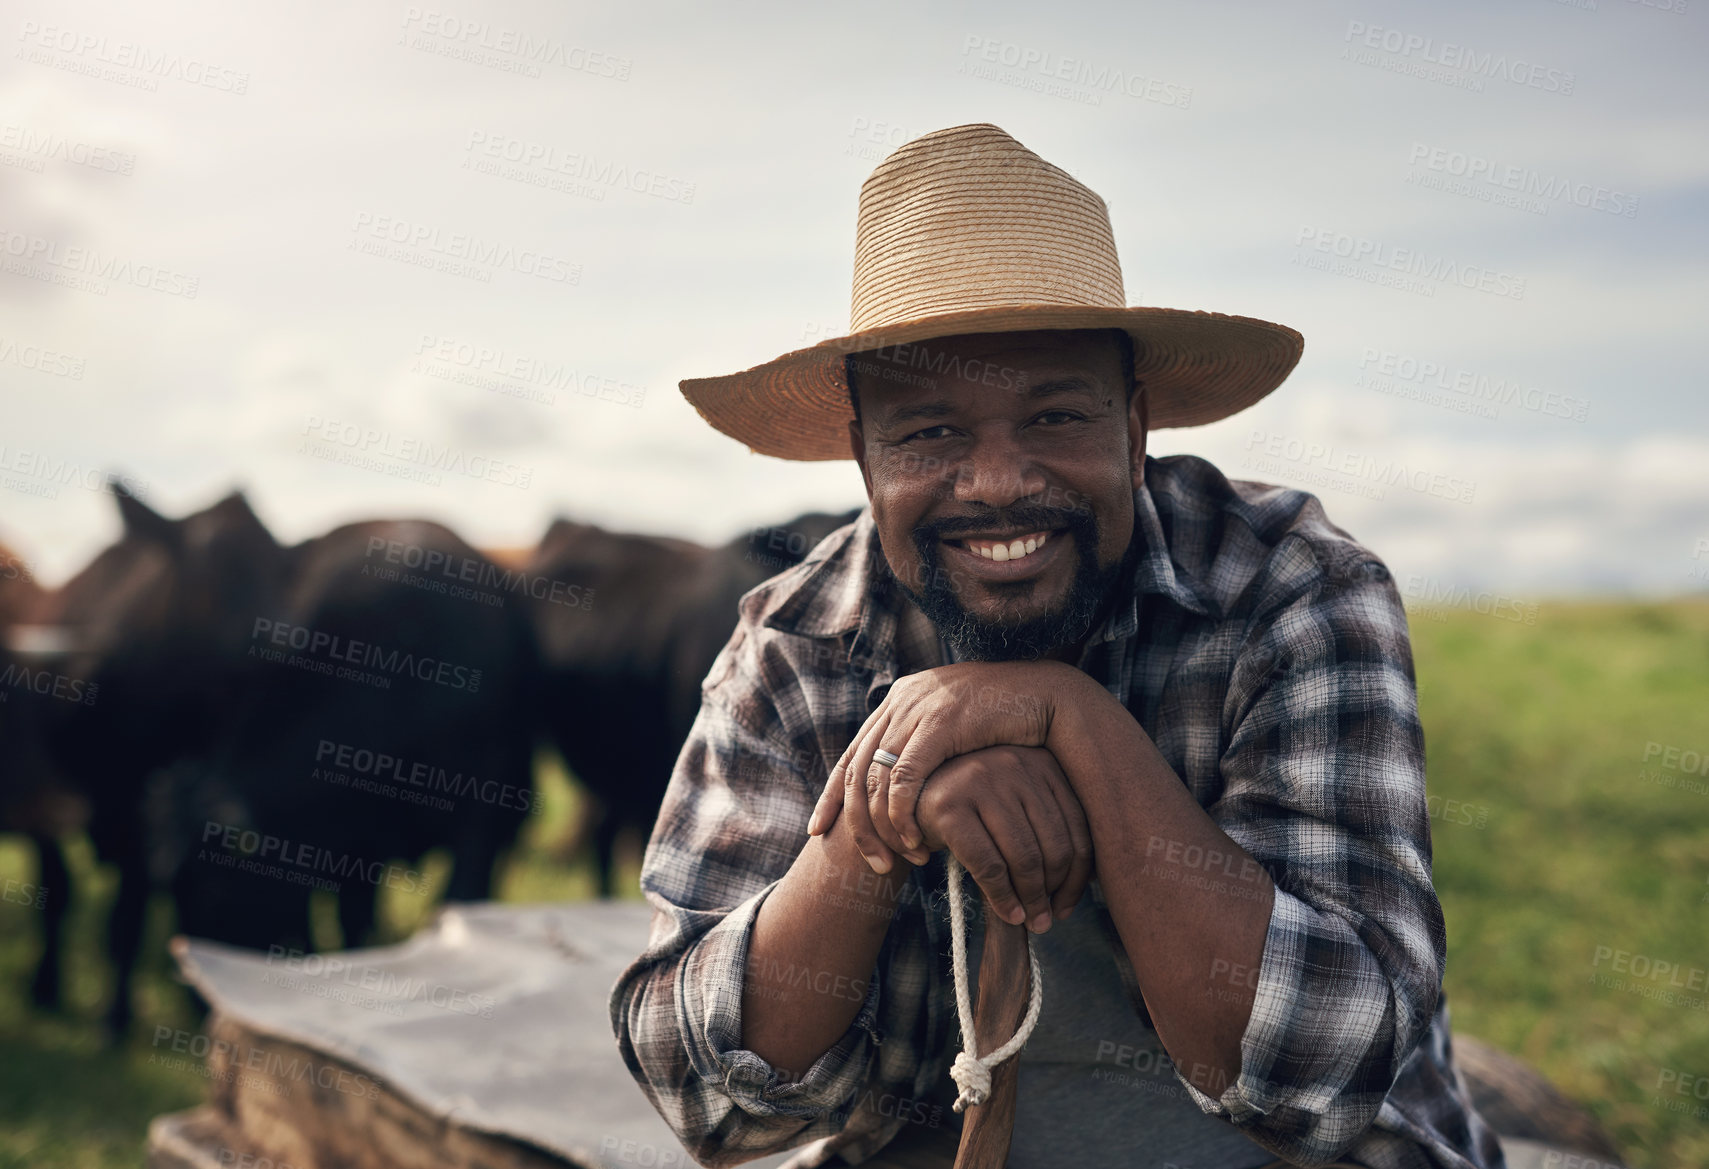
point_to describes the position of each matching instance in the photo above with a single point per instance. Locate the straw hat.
(967, 231)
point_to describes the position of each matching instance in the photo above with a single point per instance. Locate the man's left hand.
(932, 716)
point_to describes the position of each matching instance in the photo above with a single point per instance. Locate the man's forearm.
(1191, 906)
(814, 945)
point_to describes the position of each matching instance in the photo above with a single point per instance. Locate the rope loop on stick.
(970, 1071)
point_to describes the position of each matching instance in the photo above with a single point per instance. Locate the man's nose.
(997, 472)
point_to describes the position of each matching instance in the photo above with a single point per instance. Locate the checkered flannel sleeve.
(733, 821)
(1324, 786)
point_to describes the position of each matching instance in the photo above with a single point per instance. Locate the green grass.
(1546, 727)
(1537, 732)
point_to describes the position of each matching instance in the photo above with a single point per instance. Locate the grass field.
(1572, 857)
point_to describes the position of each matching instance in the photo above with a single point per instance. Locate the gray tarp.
(494, 1015)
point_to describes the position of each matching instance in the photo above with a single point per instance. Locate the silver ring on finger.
(884, 758)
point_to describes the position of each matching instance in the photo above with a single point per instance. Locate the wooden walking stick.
(1008, 1006)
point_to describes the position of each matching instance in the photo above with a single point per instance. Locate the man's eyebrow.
(913, 410)
(928, 409)
(1071, 384)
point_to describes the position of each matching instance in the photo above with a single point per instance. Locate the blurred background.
(418, 281)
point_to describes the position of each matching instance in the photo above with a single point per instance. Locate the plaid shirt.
(1266, 653)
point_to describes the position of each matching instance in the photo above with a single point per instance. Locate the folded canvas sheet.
(494, 1017)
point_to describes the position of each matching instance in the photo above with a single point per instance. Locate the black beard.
(978, 640)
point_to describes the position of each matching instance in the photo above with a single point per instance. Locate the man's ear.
(1138, 423)
(857, 444)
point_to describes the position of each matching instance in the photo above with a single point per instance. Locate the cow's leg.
(356, 912)
(605, 835)
(124, 933)
(484, 839)
(53, 880)
(472, 861)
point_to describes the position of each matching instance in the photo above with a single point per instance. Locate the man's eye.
(1057, 417)
(930, 432)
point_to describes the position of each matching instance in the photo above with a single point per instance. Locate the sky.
(233, 255)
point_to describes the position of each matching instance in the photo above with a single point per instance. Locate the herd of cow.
(239, 722)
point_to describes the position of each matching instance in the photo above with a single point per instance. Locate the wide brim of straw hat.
(965, 230)
(1196, 367)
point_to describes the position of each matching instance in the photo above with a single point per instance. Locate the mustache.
(1025, 517)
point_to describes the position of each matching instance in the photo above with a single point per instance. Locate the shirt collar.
(1155, 569)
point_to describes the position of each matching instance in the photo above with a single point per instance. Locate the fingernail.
(1015, 916)
(877, 864)
(1041, 923)
(912, 841)
(813, 825)
(1063, 916)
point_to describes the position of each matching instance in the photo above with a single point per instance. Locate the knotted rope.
(972, 1073)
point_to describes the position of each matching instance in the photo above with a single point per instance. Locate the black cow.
(213, 728)
(35, 799)
(146, 634)
(624, 662)
(392, 713)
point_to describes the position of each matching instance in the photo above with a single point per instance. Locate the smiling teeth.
(1013, 550)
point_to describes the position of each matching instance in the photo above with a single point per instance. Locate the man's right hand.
(1009, 815)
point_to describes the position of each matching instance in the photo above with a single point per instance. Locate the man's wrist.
(846, 882)
(1083, 716)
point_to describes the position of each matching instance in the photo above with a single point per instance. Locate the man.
(1079, 670)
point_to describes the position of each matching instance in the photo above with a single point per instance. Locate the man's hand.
(927, 718)
(1009, 816)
